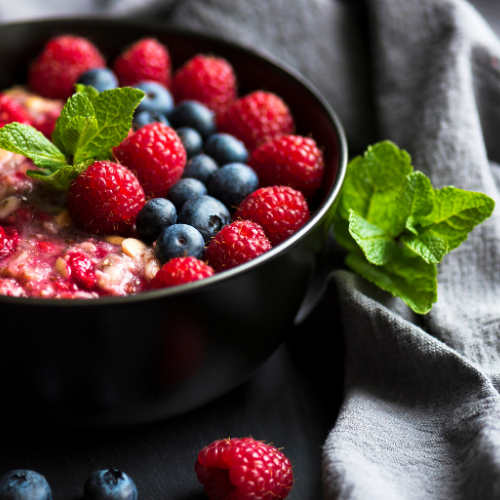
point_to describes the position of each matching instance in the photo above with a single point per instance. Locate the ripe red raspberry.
(156, 156)
(12, 111)
(206, 79)
(241, 469)
(9, 240)
(280, 210)
(289, 160)
(241, 241)
(82, 270)
(257, 118)
(180, 270)
(105, 198)
(62, 61)
(146, 59)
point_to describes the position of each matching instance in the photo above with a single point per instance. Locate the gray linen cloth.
(421, 415)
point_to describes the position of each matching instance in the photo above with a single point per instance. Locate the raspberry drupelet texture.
(105, 198)
(241, 469)
(289, 160)
(180, 270)
(206, 79)
(156, 156)
(63, 60)
(241, 241)
(280, 210)
(257, 118)
(145, 60)
(12, 111)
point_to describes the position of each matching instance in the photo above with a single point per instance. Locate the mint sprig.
(397, 227)
(90, 125)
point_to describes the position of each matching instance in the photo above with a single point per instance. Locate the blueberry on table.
(200, 167)
(109, 484)
(191, 140)
(22, 484)
(232, 183)
(185, 189)
(192, 114)
(206, 214)
(157, 99)
(146, 117)
(225, 148)
(100, 78)
(179, 240)
(154, 217)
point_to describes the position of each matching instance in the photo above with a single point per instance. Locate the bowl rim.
(292, 241)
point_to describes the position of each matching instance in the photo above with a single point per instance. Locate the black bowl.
(162, 353)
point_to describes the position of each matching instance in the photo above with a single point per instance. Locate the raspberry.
(181, 270)
(8, 242)
(62, 61)
(241, 469)
(82, 270)
(206, 79)
(289, 160)
(156, 155)
(105, 198)
(257, 118)
(11, 111)
(241, 241)
(146, 59)
(280, 210)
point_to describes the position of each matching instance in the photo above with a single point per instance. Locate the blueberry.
(109, 484)
(185, 189)
(157, 99)
(194, 115)
(179, 240)
(147, 117)
(191, 140)
(200, 167)
(225, 148)
(24, 484)
(100, 78)
(232, 183)
(206, 214)
(154, 217)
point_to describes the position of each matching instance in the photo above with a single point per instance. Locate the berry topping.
(225, 148)
(105, 198)
(257, 118)
(200, 167)
(22, 484)
(191, 139)
(109, 484)
(154, 217)
(146, 117)
(193, 115)
(11, 288)
(289, 160)
(156, 155)
(241, 241)
(280, 210)
(207, 79)
(185, 189)
(234, 469)
(63, 60)
(179, 240)
(232, 183)
(81, 270)
(11, 111)
(181, 270)
(146, 59)
(157, 99)
(206, 214)
(100, 78)
(8, 242)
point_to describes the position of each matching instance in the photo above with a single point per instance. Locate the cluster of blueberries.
(107, 484)
(212, 185)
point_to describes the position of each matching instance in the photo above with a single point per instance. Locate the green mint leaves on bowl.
(397, 227)
(91, 123)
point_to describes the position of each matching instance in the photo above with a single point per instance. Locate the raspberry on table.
(105, 198)
(62, 61)
(237, 469)
(289, 160)
(156, 156)
(280, 210)
(257, 118)
(241, 241)
(12, 111)
(146, 59)
(206, 79)
(180, 270)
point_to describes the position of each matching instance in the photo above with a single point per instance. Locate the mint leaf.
(77, 133)
(417, 199)
(61, 179)
(87, 90)
(377, 245)
(342, 234)
(430, 246)
(27, 141)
